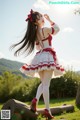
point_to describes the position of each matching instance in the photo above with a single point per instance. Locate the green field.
(58, 102)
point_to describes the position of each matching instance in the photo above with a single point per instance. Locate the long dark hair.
(28, 41)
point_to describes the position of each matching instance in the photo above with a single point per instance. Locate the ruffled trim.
(27, 67)
(33, 72)
(33, 68)
(45, 64)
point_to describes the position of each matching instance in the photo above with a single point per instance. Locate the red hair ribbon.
(30, 16)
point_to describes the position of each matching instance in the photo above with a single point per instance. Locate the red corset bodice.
(49, 38)
(46, 41)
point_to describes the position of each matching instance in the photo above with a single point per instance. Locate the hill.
(9, 65)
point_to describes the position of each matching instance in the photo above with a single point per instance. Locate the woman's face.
(40, 20)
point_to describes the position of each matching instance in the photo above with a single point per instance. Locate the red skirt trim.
(40, 66)
(53, 53)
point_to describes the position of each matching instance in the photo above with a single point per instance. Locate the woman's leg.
(46, 83)
(38, 94)
(45, 77)
(40, 87)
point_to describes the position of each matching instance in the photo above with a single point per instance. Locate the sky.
(13, 26)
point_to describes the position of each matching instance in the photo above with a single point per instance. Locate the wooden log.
(67, 108)
(54, 110)
(20, 108)
(58, 109)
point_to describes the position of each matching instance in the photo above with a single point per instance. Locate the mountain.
(9, 65)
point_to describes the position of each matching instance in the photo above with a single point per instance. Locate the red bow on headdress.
(30, 16)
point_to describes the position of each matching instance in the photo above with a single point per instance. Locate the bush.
(25, 91)
(65, 86)
(17, 87)
(7, 82)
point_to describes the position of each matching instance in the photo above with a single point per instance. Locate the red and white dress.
(46, 58)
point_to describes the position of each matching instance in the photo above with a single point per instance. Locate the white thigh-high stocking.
(44, 88)
(46, 83)
(46, 96)
(39, 92)
(40, 87)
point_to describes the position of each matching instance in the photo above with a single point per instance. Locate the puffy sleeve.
(54, 29)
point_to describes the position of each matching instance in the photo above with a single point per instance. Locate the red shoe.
(33, 105)
(47, 115)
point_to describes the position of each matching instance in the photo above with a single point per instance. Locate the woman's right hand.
(47, 16)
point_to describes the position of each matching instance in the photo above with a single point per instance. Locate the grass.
(58, 102)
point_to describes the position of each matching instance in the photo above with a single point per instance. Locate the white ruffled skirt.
(43, 60)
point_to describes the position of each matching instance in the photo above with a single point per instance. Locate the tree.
(78, 96)
(77, 11)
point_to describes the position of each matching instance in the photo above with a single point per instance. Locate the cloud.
(1, 55)
(41, 4)
(68, 29)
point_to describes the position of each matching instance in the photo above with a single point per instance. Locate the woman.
(44, 64)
